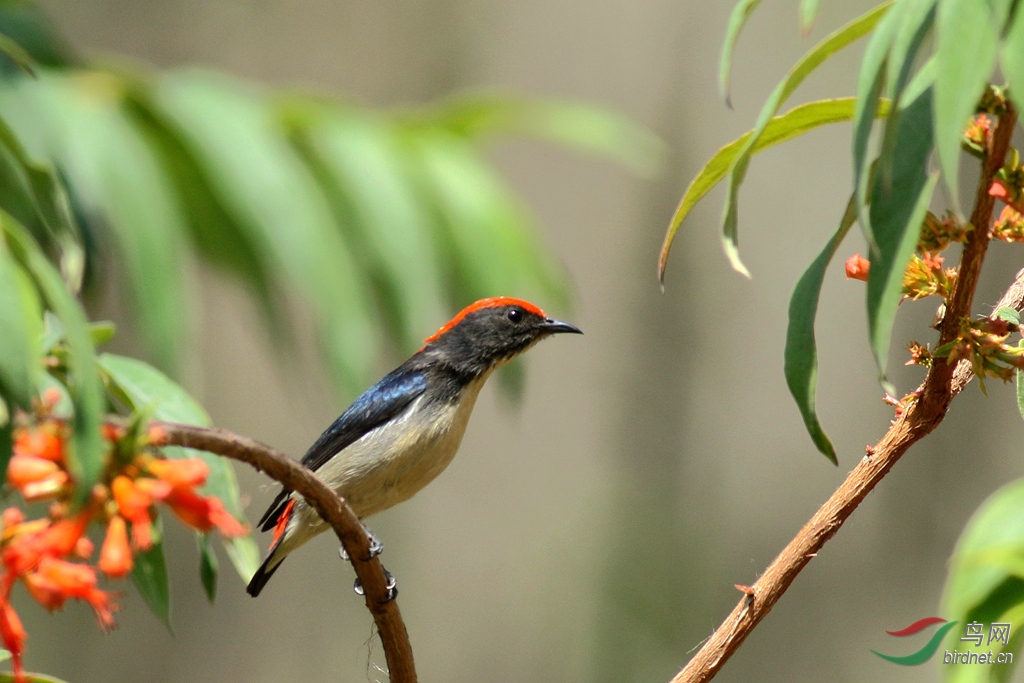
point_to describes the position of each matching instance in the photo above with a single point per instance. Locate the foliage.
(926, 77)
(375, 222)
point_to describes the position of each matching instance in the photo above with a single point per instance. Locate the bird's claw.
(392, 586)
(376, 546)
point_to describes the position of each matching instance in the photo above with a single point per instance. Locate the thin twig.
(334, 510)
(920, 418)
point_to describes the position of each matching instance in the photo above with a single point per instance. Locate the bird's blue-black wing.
(378, 404)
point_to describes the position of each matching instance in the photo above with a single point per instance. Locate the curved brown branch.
(941, 384)
(334, 510)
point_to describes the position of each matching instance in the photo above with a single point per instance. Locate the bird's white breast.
(392, 462)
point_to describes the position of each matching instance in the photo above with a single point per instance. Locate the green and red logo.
(926, 652)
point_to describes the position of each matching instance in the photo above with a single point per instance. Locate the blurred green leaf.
(86, 458)
(796, 121)
(101, 331)
(487, 234)
(27, 25)
(1020, 394)
(740, 13)
(17, 54)
(1013, 59)
(360, 165)
(572, 124)
(897, 211)
(832, 43)
(207, 566)
(808, 14)
(20, 334)
(242, 150)
(869, 90)
(986, 576)
(117, 177)
(141, 386)
(966, 48)
(801, 348)
(150, 577)
(29, 678)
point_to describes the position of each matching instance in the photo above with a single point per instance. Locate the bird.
(403, 431)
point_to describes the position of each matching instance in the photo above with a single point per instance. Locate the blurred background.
(594, 530)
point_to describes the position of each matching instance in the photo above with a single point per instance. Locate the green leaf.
(795, 122)
(29, 678)
(832, 44)
(102, 331)
(808, 13)
(966, 50)
(740, 13)
(869, 90)
(986, 575)
(86, 458)
(1008, 314)
(485, 231)
(150, 577)
(207, 566)
(801, 349)
(897, 210)
(567, 123)
(117, 177)
(142, 386)
(241, 148)
(1013, 59)
(1020, 394)
(20, 334)
(17, 54)
(360, 164)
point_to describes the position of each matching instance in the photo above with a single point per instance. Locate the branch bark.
(941, 384)
(334, 510)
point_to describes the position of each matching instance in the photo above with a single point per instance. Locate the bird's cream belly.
(392, 463)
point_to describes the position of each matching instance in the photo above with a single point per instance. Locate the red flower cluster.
(42, 553)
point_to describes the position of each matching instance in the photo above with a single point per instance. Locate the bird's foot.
(376, 546)
(392, 586)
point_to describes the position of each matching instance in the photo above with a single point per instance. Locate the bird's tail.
(276, 554)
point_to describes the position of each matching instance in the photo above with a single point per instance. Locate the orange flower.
(202, 513)
(25, 469)
(115, 555)
(40, 442)
(857, 268)
(131, 501)
(73, 580)
(13, 634)
(185, 472)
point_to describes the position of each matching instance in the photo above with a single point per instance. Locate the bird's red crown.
(492, 302)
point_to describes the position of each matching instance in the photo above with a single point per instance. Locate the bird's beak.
(552, 326)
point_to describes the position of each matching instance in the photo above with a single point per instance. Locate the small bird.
(404, 430)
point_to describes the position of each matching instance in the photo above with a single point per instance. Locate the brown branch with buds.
(333, 509)
(923, 414)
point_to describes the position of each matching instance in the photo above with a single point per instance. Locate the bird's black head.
(493, 331)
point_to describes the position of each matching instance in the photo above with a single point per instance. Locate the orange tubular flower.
(202, 513)
(41, 443)
(115, 555)
(13, 634)
(857, 268)
(185, 472)
(131, 500)
(26, 469)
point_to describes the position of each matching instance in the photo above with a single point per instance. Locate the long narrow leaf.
(966, 49)
(86, 459)
(149, 574)
(740, 13)
(897, 210)
(20, 333)
(808, 63)
(1013, 58)
(801, 349)
(869, 89)
(808, 14)
(795, 122)
(263, 183)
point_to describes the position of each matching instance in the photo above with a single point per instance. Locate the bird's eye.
(515, 315)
